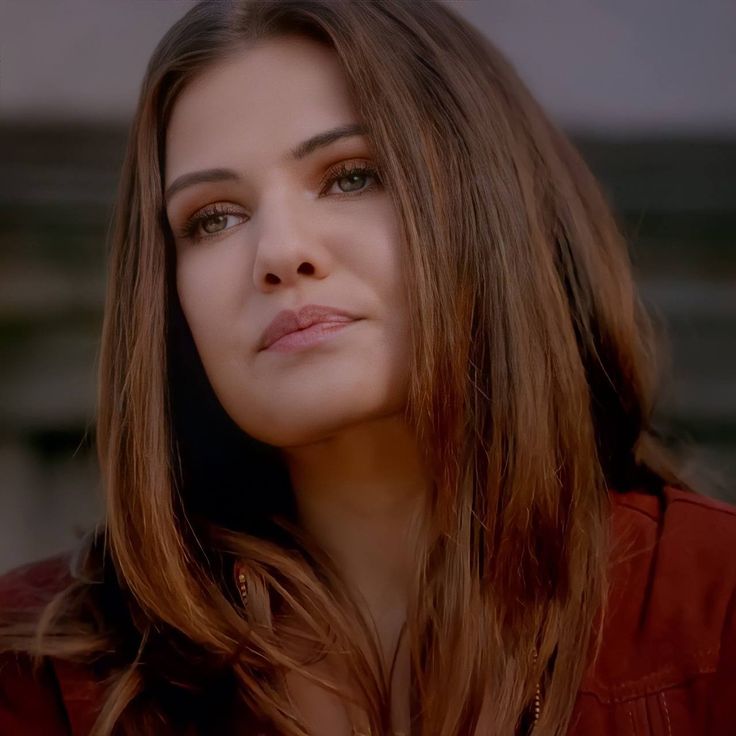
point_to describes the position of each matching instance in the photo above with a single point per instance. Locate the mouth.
(316, 317)
(315, 334)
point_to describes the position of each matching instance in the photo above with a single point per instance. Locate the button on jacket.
(667, 665)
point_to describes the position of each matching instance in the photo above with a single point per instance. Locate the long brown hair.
(532, 387)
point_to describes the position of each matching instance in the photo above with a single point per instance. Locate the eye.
(351, 178)
(211, 221)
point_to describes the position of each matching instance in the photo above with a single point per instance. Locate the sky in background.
(613, 66)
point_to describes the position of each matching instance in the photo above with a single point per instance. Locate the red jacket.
(667, 665)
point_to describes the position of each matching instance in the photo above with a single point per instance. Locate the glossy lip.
(288, 321)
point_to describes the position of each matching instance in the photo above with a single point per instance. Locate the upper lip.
(287, 321)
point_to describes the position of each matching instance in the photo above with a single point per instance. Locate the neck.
(360, 494)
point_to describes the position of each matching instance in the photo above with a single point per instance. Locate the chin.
(297, 426)
(284, 425)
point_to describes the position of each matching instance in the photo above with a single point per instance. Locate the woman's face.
(273, 231)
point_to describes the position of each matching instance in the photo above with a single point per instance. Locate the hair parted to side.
(532, 386)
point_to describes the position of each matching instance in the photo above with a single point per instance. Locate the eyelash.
(190, 230)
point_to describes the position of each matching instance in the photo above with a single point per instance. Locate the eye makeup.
(193, 228)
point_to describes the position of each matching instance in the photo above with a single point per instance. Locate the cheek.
(378, 255)
(208, 289)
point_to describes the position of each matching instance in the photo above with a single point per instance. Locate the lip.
(288, 321)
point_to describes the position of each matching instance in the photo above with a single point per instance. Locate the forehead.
(256, 104)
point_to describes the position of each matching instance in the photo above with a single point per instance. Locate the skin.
(289, 239)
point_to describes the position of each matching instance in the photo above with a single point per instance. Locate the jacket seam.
(663, 700)
(699, 501)
(615, 695)
(637, 509)
(702, 502)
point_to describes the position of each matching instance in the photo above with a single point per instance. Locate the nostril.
(272, 278)
(307, 268)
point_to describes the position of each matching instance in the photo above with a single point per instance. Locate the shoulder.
(673, 570)
(31, 585)
(37, 696)
(705, 520)
(671, 612)
(667, 658)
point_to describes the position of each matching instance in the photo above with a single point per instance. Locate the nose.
(289, 246)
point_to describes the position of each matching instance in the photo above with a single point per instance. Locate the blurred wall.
(647, 90)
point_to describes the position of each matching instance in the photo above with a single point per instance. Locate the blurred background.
(646, 90)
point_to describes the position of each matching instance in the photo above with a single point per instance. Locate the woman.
(374, 426)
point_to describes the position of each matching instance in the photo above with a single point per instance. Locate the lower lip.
(308, 337)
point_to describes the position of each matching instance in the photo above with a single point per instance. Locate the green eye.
(354, 176)
(209, 222)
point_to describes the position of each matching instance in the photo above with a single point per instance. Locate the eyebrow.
(297, 153)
